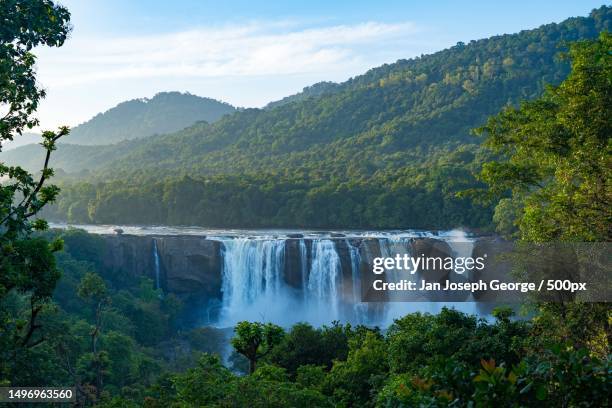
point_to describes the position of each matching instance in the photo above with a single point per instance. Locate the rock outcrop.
(188, 264)
(191, 265)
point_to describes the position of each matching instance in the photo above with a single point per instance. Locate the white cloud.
(246, 65)
(255, 49)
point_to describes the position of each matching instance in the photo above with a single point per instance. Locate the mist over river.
(281, 276)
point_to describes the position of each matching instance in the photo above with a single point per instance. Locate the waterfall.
(252, 277)
(462, 246)
(389, 248)
(324, 276)
(156, 264)
(278, 276)
(259, 285)
(355, 261)
(460, 243)
(360, 309)
(254, 287)
(304, 267)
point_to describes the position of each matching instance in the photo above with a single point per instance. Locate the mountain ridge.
(165, 112)
(134, 119)
(393, 106)
(387, 149)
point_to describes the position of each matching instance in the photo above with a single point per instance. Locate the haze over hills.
(21, 140)
(395, 140)
(87, 146)
(68, 158)
(166, 112)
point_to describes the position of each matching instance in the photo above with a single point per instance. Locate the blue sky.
(249, 53)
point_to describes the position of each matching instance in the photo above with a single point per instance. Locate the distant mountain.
(21, 140)
(386, 149)
(89, 145)
(69, 158)
(166, 112)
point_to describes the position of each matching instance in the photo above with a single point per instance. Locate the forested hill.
(394, 109)
(312, 91)
(388, 148)
(166, 112)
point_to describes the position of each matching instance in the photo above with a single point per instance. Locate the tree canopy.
(553, 154)
(28, 271)
(386, 149)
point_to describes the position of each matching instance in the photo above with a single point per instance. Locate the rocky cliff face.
(190, 264)
(193, 265)
(187, 264)
(129, 254)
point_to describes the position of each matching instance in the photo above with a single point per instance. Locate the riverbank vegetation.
(147, 354)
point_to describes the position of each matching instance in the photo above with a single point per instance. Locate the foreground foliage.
(28, 273)
(372, 373)
(122, 343)
(553, 154)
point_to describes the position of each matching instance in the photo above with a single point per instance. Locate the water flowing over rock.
(284, 277)
(156, 265)
(183, 265)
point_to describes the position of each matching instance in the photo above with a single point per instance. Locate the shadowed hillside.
(389, 148)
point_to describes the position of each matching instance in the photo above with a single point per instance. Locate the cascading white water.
(462, 246)
(324, 278)
(459, 242)
(355, 261)
(254, 283)
(360, 308)
(389, 248)
(254, 288)
(252, 278)
(304, 266)
(156, 264)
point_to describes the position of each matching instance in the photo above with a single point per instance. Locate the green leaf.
(541, 393)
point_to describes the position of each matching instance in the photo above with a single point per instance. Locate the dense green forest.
(67, 320)
(311, 91)
(387, 149)
(146, 354)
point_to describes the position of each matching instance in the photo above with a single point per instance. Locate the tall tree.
(553, 164)
(256, 340)
(27, 266)
(553, 154)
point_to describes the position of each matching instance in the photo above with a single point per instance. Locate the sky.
(249, 53)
